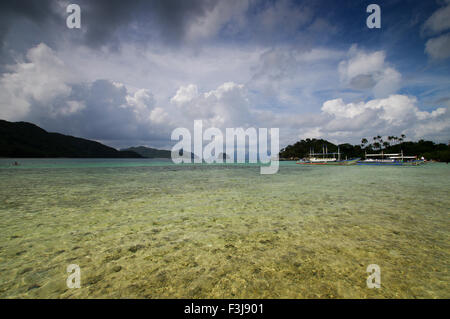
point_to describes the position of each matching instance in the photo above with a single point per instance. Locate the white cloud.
(225, 106)
(314, 132)
(363, 70)
(149, 92)
(438, 48)
(392, 115)
(388, 81)
(42, 90)
(42, 79)
(438, 22)
(72, 107)
(158, 115)
(141, 102)
(360, 62)
(185, 94)
(395, 109)
(224, 89)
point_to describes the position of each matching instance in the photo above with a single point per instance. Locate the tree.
(364, 141)
(377, 145)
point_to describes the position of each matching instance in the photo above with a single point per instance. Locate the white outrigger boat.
(391, 159)
(326, 158)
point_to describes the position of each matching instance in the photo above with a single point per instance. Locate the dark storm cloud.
(112, 22)
(104, 21)
(38, 12)
(165, 19)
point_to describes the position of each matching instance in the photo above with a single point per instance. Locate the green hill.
(149, 152)
(22, 139)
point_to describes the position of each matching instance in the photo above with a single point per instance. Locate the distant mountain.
(22, 139)
(149, 152)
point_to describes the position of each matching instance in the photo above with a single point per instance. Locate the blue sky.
(138, 69)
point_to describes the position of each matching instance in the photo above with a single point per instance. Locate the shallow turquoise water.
(152, 229)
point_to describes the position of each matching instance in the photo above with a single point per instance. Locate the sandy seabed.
(218, 231)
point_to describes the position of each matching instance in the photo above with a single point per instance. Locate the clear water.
(152, 229)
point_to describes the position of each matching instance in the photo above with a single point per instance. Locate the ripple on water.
(224, 232)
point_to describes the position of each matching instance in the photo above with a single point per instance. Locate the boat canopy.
(382, 154)
(398, 157)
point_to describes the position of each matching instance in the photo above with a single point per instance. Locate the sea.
(148, 228)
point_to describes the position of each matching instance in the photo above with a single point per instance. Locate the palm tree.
(364, 141)
(390, 139)
(395, 139)
(403, 137)
(377, 145)
(386, 144)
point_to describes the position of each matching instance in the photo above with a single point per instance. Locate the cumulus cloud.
(42, 90)
(185, 94)
(392, 115)
(226, 106)
(141, 102)
(42, 78)
(369, 70)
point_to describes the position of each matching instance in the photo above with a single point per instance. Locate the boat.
(394, 159)
(326, 158)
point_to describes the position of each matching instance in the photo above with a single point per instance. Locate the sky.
(136, 69)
